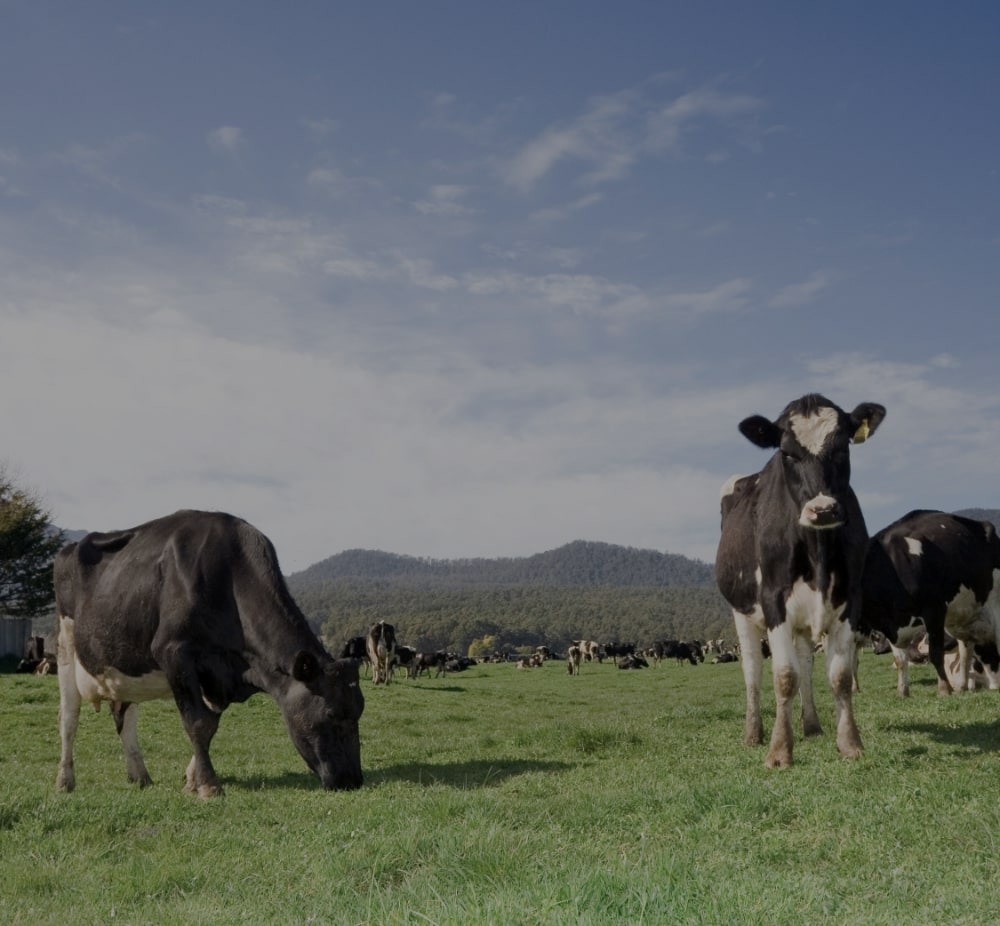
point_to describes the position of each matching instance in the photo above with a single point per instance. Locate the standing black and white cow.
(939, 571)
(789, 563)
(381, 645)
(193, 606)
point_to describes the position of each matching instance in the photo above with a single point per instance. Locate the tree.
(28, 545)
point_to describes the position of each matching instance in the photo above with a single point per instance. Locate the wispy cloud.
(227, 139)
(731, 296)
(566, 210)
(617, 129)
(595, 137)
(797, 294)
(333, 182)
(320, 128)
(445, 200)
(665, 126)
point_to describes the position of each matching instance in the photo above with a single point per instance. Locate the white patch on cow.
(112, 685)
(914, 547)
(758, 576)
(808, 611)
(812, 431)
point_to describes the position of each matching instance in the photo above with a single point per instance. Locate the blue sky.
(464, 279)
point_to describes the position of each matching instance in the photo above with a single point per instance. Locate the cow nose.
(822, 511)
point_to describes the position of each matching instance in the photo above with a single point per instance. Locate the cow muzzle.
(821, 512)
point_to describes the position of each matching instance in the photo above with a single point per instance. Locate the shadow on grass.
(435, 687)
(463, 775)
(974, 737)
(474, 773)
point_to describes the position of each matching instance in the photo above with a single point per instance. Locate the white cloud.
(582, 294)
(797, 294)
(595, 137)
(321, 128)
(227, 139)
(335, 183)
(567, 210)
(731, 296)
(617, 129)
(445, 200)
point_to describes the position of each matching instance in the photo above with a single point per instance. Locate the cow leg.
(901, 660)
(201, 726)
(126, 717)
(784, 659)
(935, 644)
(840, 671)
(69, 704)
(752, 661)
(804, 650)
(200, 722)
(964, 663)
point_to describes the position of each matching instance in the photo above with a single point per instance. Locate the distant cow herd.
(193, 607)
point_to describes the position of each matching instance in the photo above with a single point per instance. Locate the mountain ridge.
(579, 563)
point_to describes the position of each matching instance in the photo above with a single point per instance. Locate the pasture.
(506, 796)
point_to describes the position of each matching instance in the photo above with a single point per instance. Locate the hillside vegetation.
(583, 589)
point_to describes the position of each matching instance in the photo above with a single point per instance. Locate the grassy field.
(507, 796)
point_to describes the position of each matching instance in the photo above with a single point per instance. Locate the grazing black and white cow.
(193, 606)
(380, 644)
(617, 650)
(424, 662)
(936, 571)
(789, 563)
(406, 657)
(680, 650)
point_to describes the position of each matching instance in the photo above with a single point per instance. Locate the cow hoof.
(778, 760)
(206, 792)
(65, 783)
(851, 750)
(812, 729)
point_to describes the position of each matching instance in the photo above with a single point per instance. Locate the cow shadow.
(980, 737)
(465, 776)
(447, 688)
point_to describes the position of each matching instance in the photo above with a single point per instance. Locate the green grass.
(506, 796)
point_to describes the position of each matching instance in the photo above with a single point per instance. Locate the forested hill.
(578, 564)
(583, 589)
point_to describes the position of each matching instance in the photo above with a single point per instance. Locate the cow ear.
(306, 667)
(865, 419)
(758, 430)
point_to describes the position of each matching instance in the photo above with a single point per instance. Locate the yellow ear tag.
(861, 435)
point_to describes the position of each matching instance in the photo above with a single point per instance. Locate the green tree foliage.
(587, 590)
(28, 545)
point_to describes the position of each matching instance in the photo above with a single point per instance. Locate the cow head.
(813, 436)
(321, 708)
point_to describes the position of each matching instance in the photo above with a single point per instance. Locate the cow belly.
(112, 685)
(807, 611)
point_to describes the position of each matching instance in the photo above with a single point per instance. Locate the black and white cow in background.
(380, 644)
(789, 563)
(939, 571)
(193, 606)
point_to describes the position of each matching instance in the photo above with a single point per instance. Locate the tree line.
(584, 589)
